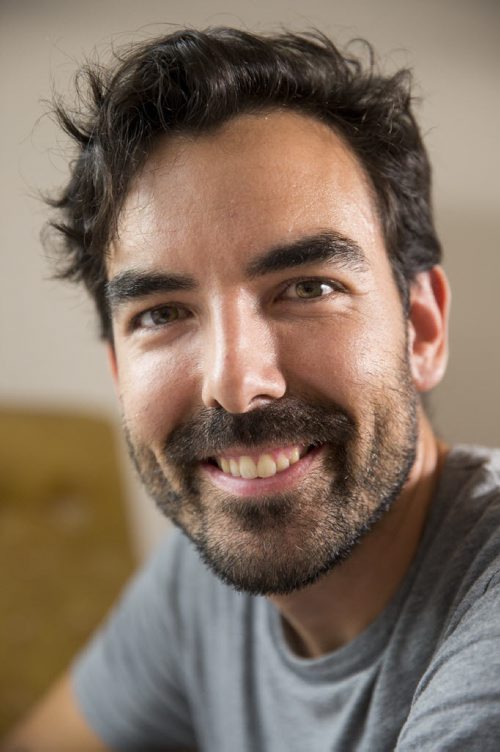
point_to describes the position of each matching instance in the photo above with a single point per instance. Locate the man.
(252, 217)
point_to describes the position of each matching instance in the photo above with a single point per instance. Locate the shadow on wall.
(64, 544)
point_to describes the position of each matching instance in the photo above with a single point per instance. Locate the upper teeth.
(261, 466)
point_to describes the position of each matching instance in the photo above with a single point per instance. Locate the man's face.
(261, 348)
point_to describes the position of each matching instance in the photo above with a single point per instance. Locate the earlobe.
(428, 327)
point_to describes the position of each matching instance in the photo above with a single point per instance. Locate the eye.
(309, 289)
(158, 317)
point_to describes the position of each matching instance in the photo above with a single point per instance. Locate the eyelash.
(183, 313)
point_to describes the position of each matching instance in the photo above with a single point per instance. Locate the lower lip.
(282, 481)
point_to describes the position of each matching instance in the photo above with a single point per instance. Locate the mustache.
(286, 421)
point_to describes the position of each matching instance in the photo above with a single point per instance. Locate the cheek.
(156, 392)
(345, 359)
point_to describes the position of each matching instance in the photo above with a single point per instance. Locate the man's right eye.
(158, 317)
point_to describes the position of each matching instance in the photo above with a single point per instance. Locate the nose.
(241, 369)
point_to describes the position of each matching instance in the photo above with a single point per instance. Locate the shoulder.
(455, 705)
(133, 681)
(480, 464)
(474, 470)
(468, 497)
(463, 531)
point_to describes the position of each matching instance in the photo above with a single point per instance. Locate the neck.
(336, 609)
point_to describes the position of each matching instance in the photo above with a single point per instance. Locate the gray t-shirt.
(184, 661)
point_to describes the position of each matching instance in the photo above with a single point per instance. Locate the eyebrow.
(134, 283)
(324, 246)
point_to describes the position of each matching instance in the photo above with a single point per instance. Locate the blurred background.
(55, 391)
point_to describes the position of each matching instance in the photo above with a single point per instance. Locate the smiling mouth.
(263, 464)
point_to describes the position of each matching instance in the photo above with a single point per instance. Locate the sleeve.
(457, 703)
(128, 681)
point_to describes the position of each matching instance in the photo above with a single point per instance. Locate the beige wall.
(48, 349)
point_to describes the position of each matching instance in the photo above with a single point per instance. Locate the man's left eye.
(309, 289)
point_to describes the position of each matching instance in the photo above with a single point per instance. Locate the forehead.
(258, 181)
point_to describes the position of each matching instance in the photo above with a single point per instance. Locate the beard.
(276, 544)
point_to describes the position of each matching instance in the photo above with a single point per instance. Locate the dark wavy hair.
(194, 81)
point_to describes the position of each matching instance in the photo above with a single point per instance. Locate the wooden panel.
(64, 545)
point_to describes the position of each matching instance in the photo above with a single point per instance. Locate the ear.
(428, 328)
(113, 365)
